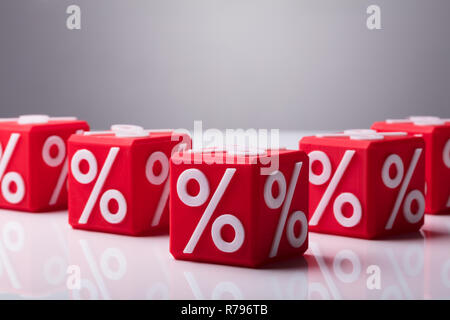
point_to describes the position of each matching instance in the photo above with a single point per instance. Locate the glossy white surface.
(36, 250)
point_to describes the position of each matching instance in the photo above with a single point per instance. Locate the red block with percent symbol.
(233, 212)
(436, 133)
(118, 179)
(365, 184)
(33, 166)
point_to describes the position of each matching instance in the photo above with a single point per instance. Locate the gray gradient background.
(289, 64)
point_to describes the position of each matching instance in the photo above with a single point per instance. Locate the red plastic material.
(365, 188)
(437, 155)
(231, 212)
(33, 166)
(119, 184)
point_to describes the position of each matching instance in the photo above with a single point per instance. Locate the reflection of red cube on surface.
(365, 184)
(226, 208)
(188, 281)
(33, 254)
(347, 268)
(118, 180)
(112, 267)
(436, 133)
(33, 169)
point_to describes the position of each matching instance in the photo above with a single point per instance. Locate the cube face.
(219, 212)
(86, 161)
(365, 188)
(120, 184)
(34, 174)
(150, 187)
(439, 170)
(293, 234)
(324, 160)
(436, 134)
(389, 165)
(185, 217)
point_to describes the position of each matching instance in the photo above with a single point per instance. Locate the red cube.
(224, 208)
(118, 179)
(365, 184)
(33, 166)
(436, 133)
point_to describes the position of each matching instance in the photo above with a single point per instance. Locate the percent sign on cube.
(12, 241)
(436, 134)
(219, 222)
(33, 167)
(11, 178)
(162, 177)
(89, 176)
(341, 199)
(54, 160)
(14, 178)
(119, 179)
(242, 222)
(403, 180)
(285, 199)
(369, 166)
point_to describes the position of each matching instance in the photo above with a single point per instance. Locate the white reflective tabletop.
(38, 250)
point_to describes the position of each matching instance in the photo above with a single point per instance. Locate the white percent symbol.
(394, 182)
(324, 176)
(200, 199)
(346, 197)
(429, 121)
(285, 199)
(11, 178)
(160, 178)
(53, 161)
(89, 176)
